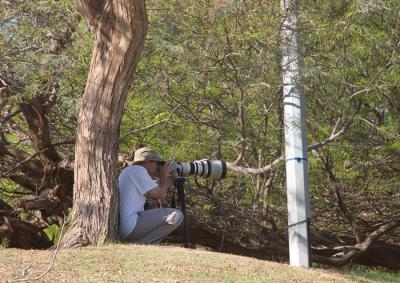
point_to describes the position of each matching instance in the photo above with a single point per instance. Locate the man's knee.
(175, 218)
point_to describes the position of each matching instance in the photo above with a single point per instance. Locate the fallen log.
(267, 247)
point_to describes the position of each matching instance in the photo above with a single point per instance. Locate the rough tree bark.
(120, 27)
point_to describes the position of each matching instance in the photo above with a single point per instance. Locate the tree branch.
(152, 125)
(265, 169)
(338, 191)
(91, 10)
(32, 165)
(360, 248)
(39, 133)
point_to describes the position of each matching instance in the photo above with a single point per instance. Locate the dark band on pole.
(298, 159)
(300, 222)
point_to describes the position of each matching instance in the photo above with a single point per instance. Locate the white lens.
(214, 169)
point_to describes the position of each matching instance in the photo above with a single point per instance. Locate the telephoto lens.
(214, 169)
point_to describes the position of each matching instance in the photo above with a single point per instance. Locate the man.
(135, 183)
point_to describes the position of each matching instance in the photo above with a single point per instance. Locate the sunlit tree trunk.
(119, 31)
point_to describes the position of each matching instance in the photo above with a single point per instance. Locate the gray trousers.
(154, 225)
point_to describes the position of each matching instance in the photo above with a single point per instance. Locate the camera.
(214, 169)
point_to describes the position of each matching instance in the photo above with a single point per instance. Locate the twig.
(25, 273)
(152, 125)
(333, 137)
(360, 91)
(394, 135)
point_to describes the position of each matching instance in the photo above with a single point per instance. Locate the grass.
(373, 274)
(139, 263)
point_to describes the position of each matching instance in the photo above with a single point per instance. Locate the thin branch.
(15, 52)
(242, 142)
(394, 135)
(359, 92)
(265, 169)
(338, 190)
(333, 137)
(27, 270)
(254, 171)
(36, 154)
(34, 166)
(152, 125)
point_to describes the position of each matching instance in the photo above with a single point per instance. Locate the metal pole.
(295, 140)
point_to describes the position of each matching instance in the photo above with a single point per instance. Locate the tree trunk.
(120, 27)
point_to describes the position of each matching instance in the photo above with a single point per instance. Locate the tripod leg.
(173, 202)
(181, 198)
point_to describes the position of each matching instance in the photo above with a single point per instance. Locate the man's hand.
(166, 181)
(164, 170)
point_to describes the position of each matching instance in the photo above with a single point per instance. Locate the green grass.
(374, 274)
(139, 263)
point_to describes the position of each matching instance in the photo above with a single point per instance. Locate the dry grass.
(138, 263)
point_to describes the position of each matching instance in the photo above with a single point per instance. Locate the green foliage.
(206, 65)
(4, 244)
(201, 57)
(53, 233)
(27, 63)
(7, 191)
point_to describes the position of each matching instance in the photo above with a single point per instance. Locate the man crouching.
(135, 182)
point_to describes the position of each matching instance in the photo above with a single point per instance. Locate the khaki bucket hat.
(146, 153)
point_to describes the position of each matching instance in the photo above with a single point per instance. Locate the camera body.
(213, 169)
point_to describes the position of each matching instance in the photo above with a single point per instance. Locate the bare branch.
(360, 248)
(152, 125)
(338, 191)
(333, 137)
(33, 165)
(265, 169)
(26, 271)
(391, 134)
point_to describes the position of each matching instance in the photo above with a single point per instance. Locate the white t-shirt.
(134, 182)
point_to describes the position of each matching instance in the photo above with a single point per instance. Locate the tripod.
(180, 187)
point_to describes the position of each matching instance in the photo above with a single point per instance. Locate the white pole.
(295, 140)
